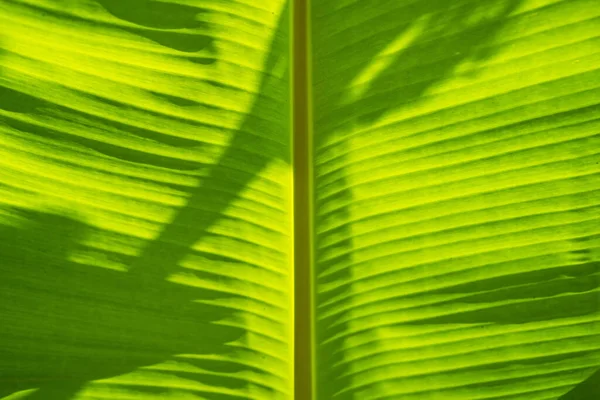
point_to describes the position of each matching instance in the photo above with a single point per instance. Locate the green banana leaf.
(145, 193)
(147, 224)
(456, 196)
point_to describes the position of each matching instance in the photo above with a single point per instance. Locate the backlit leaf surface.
(456, 193)
(145, 200)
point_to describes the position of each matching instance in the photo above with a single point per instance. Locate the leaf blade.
(456, 199)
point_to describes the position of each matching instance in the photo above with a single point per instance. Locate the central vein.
(303, 322)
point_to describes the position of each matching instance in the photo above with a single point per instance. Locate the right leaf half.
(456, 198)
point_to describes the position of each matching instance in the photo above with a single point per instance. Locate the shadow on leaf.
(66, 323)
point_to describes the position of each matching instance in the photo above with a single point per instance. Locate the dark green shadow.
(586, 390)
(64, 323)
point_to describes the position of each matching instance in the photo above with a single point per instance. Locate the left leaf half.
(145, 208)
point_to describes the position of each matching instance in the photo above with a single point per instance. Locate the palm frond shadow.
(534, 296)
(93, 323)
(566, 291)
(65, 324)
(177, 26)
(180, 27)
